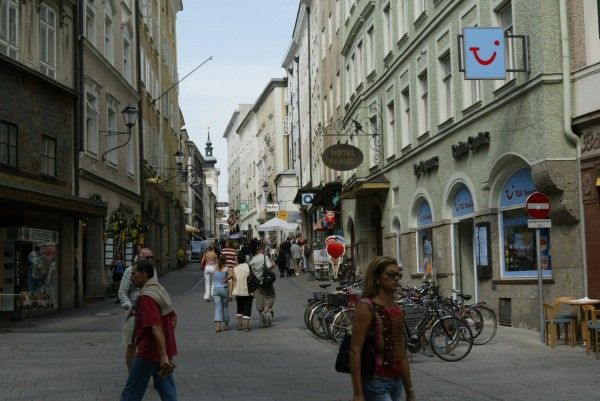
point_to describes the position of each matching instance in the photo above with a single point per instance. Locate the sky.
(247, 40)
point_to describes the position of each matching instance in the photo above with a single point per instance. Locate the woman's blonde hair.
(374, 270)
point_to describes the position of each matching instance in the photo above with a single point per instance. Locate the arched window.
(424, 237)
(517, 240)
(396, 227)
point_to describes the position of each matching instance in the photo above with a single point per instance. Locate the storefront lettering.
(590, 141)
(426, 166)
(474, 143)
(342, 157)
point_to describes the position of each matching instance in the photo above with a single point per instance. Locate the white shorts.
(127, 329)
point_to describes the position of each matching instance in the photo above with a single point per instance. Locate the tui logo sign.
(483, 53)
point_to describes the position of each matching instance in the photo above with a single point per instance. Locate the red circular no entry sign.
(538, 205)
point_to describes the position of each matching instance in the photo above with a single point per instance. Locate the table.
(579, 303)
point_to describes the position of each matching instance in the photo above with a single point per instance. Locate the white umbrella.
(276, 224)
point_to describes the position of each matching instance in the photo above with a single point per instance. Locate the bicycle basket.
(414, 315)
(337, 299)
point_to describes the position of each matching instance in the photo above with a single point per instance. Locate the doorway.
(464, 259)
(376, 225)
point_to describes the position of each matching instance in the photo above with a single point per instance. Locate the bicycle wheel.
(313, 322)
(308, 310)
(489, 327)
(474, 319)
(451, 339)
(328, 319)
(317, 320)
(342, 323)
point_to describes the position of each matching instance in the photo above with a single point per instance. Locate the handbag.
(252, 281)
(268, 277)
(367, 353)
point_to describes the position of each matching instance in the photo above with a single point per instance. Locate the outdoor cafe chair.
(553, 323)
(593, 326)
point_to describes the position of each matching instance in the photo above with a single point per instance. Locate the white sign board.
(539, 223)
(272, 207)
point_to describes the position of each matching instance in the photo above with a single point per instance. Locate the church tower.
(210, 171)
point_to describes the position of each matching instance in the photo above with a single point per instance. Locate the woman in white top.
(240, 291)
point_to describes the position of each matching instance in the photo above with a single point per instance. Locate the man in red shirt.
(155, 322)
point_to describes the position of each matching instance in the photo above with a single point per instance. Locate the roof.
(273, 83)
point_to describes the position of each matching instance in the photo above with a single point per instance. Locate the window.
(471, 88)
(390, 134)
(9, 27)
(47, 41)
(8, 144)
(127, 56)
(370, 49)
(109, 44)
(424, 239)
(405, 120)
(90, 21)
(423, 103)
(420, 8)
(505, 20)
(131, 152)
(387, 30)
(359, 63)
(402, 14)
(396, 196)
(48, 156)
(111, 127)
(91, 122)
(518, 241)
(445, 97)
(397, 230)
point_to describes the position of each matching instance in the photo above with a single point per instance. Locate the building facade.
(42, 213)
(107, 167)
(450, 162)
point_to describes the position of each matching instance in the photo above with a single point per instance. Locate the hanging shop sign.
(283, 215)
(474, 143)
(484, 53)
(243, 206)
(426, 166)
(272, 207)
(342, 157)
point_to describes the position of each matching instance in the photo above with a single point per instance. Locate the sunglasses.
(394, 274)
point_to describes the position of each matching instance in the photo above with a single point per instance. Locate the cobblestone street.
(77, 356)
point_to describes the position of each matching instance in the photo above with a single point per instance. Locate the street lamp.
(130, 116)
(182, 171)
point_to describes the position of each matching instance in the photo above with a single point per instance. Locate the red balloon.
(335, 249)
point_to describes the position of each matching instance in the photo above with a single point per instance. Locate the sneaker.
(268, 320)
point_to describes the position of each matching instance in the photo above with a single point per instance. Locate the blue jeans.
(221, 300)
(138, 379)
(383, 389)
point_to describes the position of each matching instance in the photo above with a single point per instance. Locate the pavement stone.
(77, 355)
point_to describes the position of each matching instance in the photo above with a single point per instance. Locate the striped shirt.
(231, 255)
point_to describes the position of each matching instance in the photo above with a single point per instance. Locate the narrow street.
(77, 356)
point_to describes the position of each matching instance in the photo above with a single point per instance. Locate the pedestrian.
(264, 295)
(230, 254)
(138, 249)
(286, 246)
(306, 253)
(155, 322)
(378, 310)
(240, 290)
(118, 268)
(208, 262)
(296, 257)
(281, 261)
(221, 296)
(128, 295)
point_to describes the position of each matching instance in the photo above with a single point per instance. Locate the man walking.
(128, 295)
(296, 257)
(155, 323)
(265, 297)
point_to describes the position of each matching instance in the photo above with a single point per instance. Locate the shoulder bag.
(367, 354)
(268, 277)
(252, 281)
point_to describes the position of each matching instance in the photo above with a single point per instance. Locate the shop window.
(517, 240)
(424, 238)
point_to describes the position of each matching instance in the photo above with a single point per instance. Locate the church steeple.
(209, 159)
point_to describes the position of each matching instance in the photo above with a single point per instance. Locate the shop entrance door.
(465, 263)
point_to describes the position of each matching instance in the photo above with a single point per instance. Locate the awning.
(14, 195)
(191, 229)
(307, 189)
(325, 195)
(361, 187)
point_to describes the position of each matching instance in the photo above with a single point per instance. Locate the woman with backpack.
(265, 295)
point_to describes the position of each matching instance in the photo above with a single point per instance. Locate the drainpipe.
(566, 78)
(310, 153)
(299, 149)
(138, 72)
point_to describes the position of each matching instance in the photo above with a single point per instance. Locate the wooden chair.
(593, 327)
(563, 313)
(553, 323)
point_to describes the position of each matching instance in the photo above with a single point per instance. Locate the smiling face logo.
(475, 51)
(483, 52)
